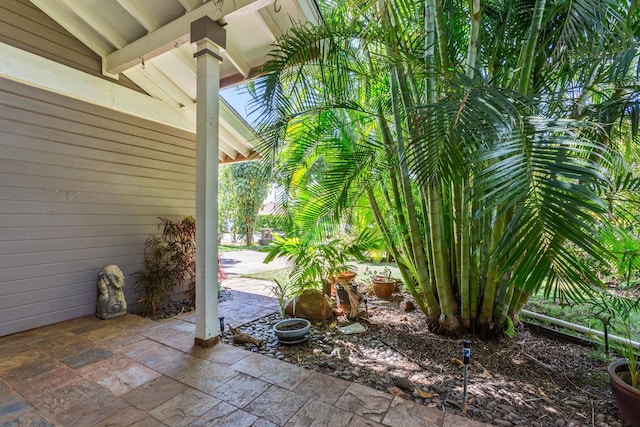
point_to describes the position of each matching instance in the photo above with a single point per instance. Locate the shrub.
(169, 261)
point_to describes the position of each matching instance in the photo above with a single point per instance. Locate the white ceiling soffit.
(148, 41)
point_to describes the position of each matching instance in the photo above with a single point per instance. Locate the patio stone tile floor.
(132, 371)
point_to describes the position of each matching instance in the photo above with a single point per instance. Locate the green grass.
(361, 268)
(280, 274)
(581, 314)
(231, 247)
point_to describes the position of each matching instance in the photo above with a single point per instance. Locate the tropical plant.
(169, 261)
(371, 274)
(282, 292)
(479, 136)
(313, 262)
(614, 308)
(243, 188)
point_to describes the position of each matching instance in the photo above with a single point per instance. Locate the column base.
(200, 342)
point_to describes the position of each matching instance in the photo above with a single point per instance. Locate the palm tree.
(471, 133)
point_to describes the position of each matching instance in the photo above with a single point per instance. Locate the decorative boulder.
(309, 306)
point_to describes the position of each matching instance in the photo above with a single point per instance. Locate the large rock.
(309, 306)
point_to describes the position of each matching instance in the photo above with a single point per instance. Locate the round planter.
(346, 277)
(292, 330)
(383, 288)
(627, 398)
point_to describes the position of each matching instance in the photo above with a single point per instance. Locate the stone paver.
(332, 388)
(240, 390)
(137, 372)
(122, 382)
(255, 364)
(224, 354)
(47, 382)
(405, 413)
(209, 378)
(276, 404)
(365, 401)
(318, 414)
(154, 393)
(183, 367)
(184, 408)
(286, 375)
(226, 415)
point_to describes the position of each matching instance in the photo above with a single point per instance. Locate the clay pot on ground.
(291, 331)
(383, 287)
(627, 397)
(346, 277)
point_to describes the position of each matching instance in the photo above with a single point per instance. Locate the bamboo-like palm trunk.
(491, 288)
(442, 273)
(530, 47)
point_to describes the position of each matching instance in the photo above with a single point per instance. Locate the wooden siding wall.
(81, 187)
(25, 26)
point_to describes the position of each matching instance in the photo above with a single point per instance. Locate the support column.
(209, 37)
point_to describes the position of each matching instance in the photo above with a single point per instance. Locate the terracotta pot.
(383, 288)
(346, 277)
(627, 398)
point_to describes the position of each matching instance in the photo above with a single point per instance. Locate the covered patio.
(112, 117)
(132, 371)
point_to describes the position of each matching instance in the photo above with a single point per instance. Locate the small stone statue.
(111, 301)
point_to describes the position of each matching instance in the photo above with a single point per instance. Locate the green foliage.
(169, 261)
(282, 291)
(624, 248)
(242, 190)
(385, 273)
(277, 222)
(484, 161)
(610, 306)
(314, 261)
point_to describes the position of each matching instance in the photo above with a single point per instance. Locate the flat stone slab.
(354, 328)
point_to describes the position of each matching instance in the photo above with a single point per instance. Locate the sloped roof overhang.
(149, 42)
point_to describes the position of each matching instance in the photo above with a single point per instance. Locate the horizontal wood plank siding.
(25, 26)
(81, 187)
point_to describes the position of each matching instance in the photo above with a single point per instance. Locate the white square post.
(209, 37)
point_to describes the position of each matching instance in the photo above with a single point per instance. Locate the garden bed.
(529, 380)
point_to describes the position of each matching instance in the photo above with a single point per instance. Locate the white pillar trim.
(207, 149)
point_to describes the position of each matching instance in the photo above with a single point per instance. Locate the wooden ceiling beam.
(175, 33)
(140, 14)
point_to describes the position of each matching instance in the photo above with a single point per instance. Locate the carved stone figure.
(111, 301)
